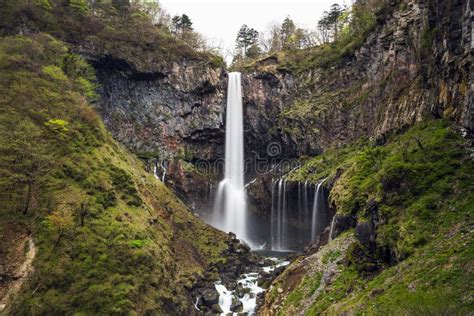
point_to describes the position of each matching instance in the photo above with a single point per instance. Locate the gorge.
(143, 175)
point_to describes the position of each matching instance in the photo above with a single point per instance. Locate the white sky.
(220, 20)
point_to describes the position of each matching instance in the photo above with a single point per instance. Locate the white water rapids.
(249, 281)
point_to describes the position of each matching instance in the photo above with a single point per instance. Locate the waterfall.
(230, 211)
(164, 172)
(297, 214)
(277, 215)
(318, 209)
(155, 171)
(285, 209)
(284, 220)
(331, 230)
(273, 230)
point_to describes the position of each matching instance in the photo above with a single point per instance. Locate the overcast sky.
(220, 20)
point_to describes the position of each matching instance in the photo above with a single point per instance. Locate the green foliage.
(113, 28)
(342, 31)
(82, 73)
(80, 6)
(421, 180)
(57, 125)
(109, 237)
(46, 4)
(54, 72)
(123, 182)
(246, 37)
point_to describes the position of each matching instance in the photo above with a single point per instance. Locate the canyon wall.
(414, 65)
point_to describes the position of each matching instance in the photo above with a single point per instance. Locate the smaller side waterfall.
(278, 215)
(331, 231)
(299, 213)
(163, 172)
(318, 209)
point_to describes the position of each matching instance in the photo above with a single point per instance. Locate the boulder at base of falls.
(239, 290)
(217, 309)
(210, 297)
(231, 285)
(260, 300)
(265, 279)
(237, 306)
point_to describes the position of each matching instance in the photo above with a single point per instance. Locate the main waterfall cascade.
(297, 219)
(230, 209)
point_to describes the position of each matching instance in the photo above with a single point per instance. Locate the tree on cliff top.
(245, 38)
(329, 25)
(181, 25)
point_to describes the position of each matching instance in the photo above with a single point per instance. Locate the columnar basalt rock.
(176, 112)
(415, 65)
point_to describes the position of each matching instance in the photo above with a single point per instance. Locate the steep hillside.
(158, 95)
(402, 241)
(109, 238)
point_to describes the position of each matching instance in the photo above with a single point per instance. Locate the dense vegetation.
(111, 239)
(139, 33)
(340, 32)
(421, 183)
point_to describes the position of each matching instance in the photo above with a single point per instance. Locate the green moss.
(421, 180)
(54, 72)
(110, 238)
(130, 35)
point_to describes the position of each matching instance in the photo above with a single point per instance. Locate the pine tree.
(186, 24)
(246, 38)
(181, 25)
(287, 31)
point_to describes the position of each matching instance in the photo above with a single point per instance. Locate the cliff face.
(170, 114)
(414, 65)
(175, 111)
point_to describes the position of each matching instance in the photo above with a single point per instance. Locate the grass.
(123, 35)
(421, 179)
(110, 238)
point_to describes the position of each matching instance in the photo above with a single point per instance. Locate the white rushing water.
(331, 230)
(155, 171)
(301, 204)
(230, 210)
(248, 281)
(317, 208)
(225, 298)
(278, 215)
